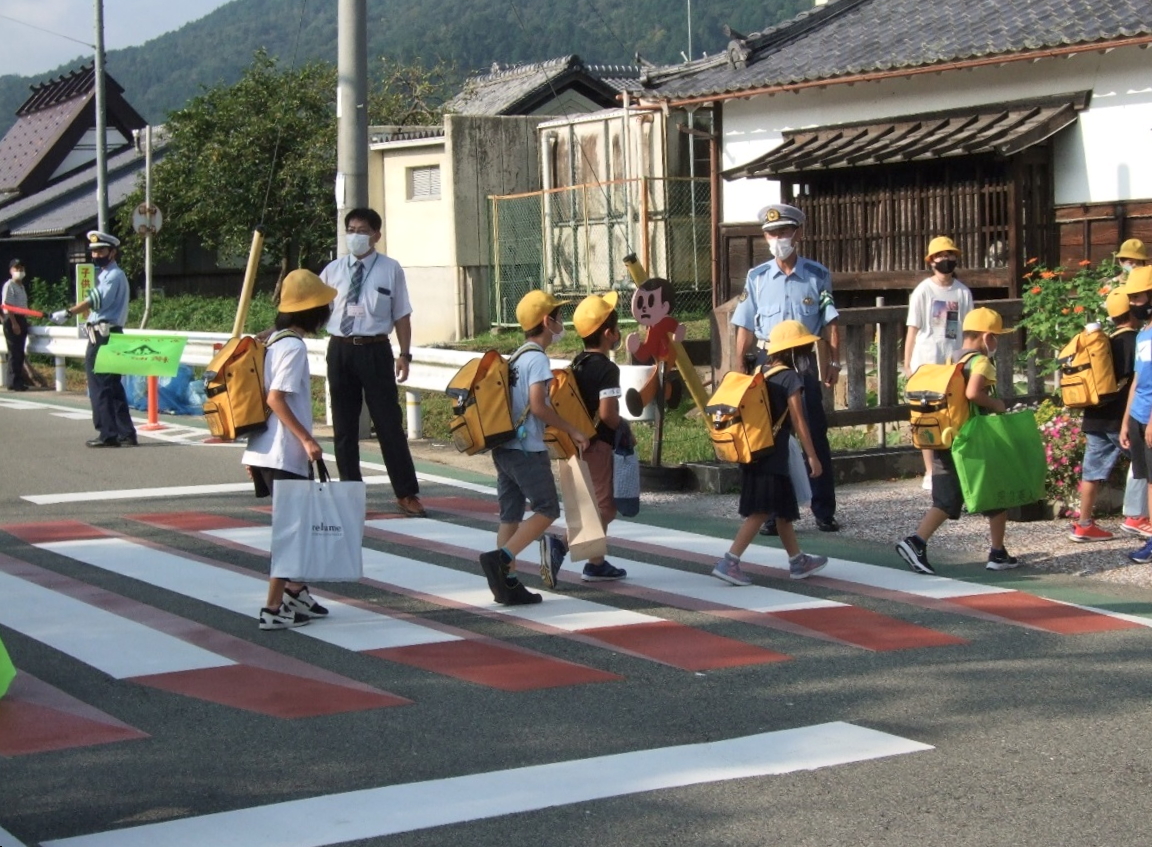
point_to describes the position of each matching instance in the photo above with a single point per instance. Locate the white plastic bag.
(318, 529)
(798, 473)
(626, 473)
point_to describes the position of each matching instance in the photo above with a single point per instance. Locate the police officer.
(789, 287)
(106, 307)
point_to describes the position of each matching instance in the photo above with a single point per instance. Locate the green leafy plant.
(1058, 302)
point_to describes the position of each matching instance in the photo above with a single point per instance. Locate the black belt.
(357, 340)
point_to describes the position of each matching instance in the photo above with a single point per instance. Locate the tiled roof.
(67, 206)
(518, 90)
(33, 134)
(380, 134)
(849, 37)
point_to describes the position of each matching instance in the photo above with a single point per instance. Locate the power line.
(50, 32)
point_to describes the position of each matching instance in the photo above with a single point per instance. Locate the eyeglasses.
(359, 230)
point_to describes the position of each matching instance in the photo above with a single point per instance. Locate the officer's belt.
(357, 340)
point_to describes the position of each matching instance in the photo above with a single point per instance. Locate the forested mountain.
(164, 73)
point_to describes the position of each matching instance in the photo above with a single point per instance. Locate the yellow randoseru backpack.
(482, 403)
(937, 396)
(236, 403)
(566, 400)
(740, 419)
(1087, 372)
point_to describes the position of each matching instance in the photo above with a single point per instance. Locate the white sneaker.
(282, 619)
(927, 483)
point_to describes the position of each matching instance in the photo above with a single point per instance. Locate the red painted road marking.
(1044, 614)
(682, 647)
(468, 656)
(36, 717)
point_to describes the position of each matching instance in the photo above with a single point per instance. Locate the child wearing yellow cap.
(981, 328)
(523, 470)
(765, 485)
(598, 379)
(1135, 432)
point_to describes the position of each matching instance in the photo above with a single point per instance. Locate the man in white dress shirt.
(371, 303)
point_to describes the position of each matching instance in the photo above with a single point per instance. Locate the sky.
(27, 50)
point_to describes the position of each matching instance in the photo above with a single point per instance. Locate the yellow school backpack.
(739, 417)
(1087, 372)
(568, 404)
(482, 407)
(938, 399)
(236, 403)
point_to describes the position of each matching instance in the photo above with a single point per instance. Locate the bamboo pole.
(249, 282)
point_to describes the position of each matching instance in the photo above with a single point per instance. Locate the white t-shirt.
(938, 314)
(285, 369)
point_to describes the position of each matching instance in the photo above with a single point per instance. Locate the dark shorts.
(264, 478)
(764, 491)
(523, 478)
(1140, 451)
(946, 493)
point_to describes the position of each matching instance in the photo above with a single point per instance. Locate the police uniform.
(805, 294)
(108, 311)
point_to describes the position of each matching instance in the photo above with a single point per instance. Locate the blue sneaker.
(603, 572)
(553, 549)
(1144, 555)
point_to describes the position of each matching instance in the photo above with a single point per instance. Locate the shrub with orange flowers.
(1059, 301)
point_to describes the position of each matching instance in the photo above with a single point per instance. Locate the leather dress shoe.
(129, 441)
(829, 525)
(102, 442)
(411, 506)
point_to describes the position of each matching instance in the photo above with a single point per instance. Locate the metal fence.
(572, 241)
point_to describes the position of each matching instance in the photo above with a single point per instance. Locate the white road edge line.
(388, 810)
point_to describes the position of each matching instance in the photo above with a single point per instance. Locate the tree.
(410, 95)
(260, 152)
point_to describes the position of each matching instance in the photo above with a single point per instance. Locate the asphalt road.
(991, 732)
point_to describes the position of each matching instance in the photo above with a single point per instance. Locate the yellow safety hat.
(303, 290)
(985, 320)
(941, 244)
(534, 307)
(788, 334)
(1133, 248)
(592, 311)
(1139, 280)
(1116, 303)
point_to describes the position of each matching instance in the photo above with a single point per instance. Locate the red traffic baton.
(17, 310)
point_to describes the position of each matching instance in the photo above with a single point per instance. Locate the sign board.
(85, 279)
(146, 220)
(141, 355)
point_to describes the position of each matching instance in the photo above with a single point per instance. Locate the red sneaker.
(1137, 526)
(1088, 533)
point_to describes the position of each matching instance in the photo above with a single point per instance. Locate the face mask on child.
(557, 334)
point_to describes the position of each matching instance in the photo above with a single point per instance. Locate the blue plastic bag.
(177, 395)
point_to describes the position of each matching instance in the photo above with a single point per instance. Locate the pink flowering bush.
(1064, 449)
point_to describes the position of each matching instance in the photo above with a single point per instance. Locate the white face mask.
(1127, 266)
(358, 243)
(557, 334)
(781, 247)
(18, 276)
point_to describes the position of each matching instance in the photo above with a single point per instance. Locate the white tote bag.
(317, 529)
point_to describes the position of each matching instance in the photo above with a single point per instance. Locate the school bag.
(236, 403)
(938, 401)
(564, 393)
(1087, 372)
(739, 417)
(482, 407)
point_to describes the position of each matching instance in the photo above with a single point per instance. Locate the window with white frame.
(424, 183)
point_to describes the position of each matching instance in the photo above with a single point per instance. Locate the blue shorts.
(524, 478)
(1100, 455)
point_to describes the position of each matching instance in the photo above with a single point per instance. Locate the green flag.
(7, 670)
(142, 355)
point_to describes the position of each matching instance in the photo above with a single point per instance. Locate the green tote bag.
(1000, 461)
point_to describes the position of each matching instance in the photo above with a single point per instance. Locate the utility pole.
(101, 125)
(351, 113)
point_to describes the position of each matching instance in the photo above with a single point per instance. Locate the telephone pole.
(101, 125)
(351, 112)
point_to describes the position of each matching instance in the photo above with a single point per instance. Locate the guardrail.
(431, 370)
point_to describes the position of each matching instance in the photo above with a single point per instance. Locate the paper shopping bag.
(7, 670)
(586, 538)
(317, 529)
(1000, 461)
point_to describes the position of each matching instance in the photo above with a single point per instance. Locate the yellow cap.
(1133, 248)
(534, 307)
(941, 244)
(1139, 280)
(985, 320)
(303, 290)
(788, 334)
(1116, 303)
(592, 311)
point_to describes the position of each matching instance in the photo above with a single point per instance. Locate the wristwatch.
(407, 357)
(836, 365)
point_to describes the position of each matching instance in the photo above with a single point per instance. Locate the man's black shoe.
(769, 529)
(829, 525)
(101, 442)
(129, 441)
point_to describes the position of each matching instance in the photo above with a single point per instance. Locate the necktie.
(348, 320)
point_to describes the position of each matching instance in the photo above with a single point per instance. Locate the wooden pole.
(249, 282)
